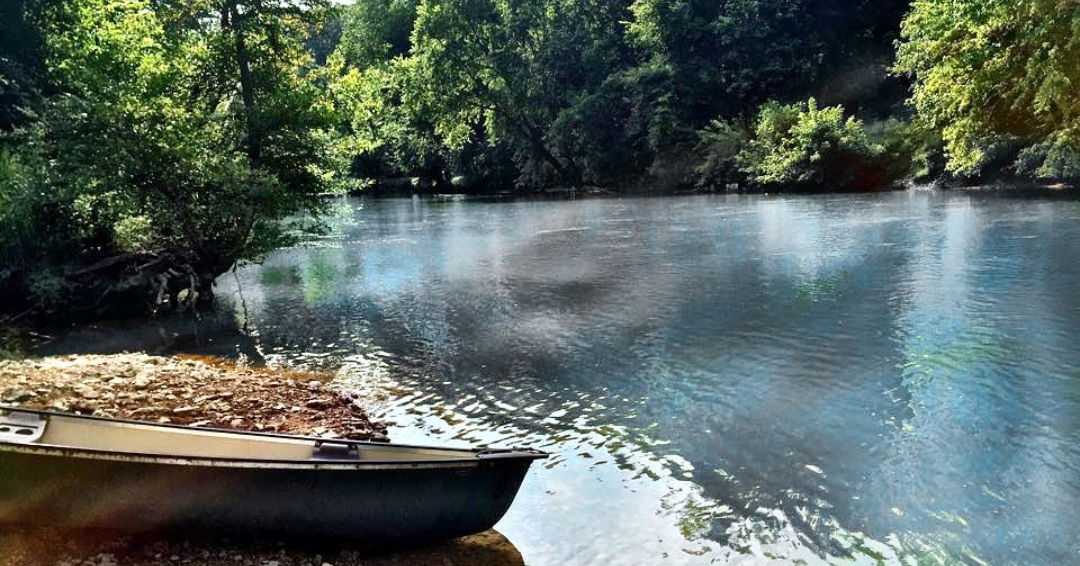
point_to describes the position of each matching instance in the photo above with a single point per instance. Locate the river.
(851, 379)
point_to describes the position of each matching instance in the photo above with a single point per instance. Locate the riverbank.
(205, 392)
(188, 390)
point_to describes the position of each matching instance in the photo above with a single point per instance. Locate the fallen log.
(124, 285)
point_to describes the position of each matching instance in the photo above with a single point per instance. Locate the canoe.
(81, 472)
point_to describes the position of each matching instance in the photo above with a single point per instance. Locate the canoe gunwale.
(165, 459)
(469, 457)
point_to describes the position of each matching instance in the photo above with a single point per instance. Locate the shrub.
(720, 144)
(910, 150)
(803, 146)
(1054, 159)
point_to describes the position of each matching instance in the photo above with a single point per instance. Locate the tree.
(376, 31)
(471, 67)
(989, 71)
(732, 55)
(190, 131)
(22, 69)
(497, 70)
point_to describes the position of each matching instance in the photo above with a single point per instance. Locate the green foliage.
(14, 344)
(618, 126)
(729, 55)
(988, 71)
(36, 226)
(909, 150)
(17, 210)
(21, 61)
(493, 72)
(803, 145)
(721, 142)
(571, 91)
(379, 125)
(376, 31)
(196, 125)
(1056, 158)
(151, 129)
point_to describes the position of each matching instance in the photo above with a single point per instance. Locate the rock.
(143, 379)
(87, 392)
(17, 395)
(319, 404)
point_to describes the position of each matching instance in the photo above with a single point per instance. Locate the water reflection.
(868, 379)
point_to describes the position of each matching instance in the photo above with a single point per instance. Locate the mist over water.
(723, 379)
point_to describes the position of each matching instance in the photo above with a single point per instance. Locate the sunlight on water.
(862, 380)
(601, 479)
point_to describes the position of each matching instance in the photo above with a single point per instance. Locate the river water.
(873, 379)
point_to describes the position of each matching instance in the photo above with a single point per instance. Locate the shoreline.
(191, 391)
(607, 192)
(202, 391)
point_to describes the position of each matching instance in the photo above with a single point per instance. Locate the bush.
(35, 230)
(619, 128)
(720, 144)
(910, 150)
(802, 146)
(1054, 159)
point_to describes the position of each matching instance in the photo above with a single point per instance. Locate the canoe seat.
(21, 428)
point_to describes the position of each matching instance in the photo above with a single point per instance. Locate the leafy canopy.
(988, 71)
(195, 125)
(156, 128)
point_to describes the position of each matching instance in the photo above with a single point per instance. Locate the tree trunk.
(568, 173)
(253, 138)
(234, 22)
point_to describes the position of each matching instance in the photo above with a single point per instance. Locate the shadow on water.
(214, 332)
(724, 379)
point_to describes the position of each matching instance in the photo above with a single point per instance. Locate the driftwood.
(127, 284)
(165, 281)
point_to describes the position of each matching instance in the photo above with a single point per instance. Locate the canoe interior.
(80, 433)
